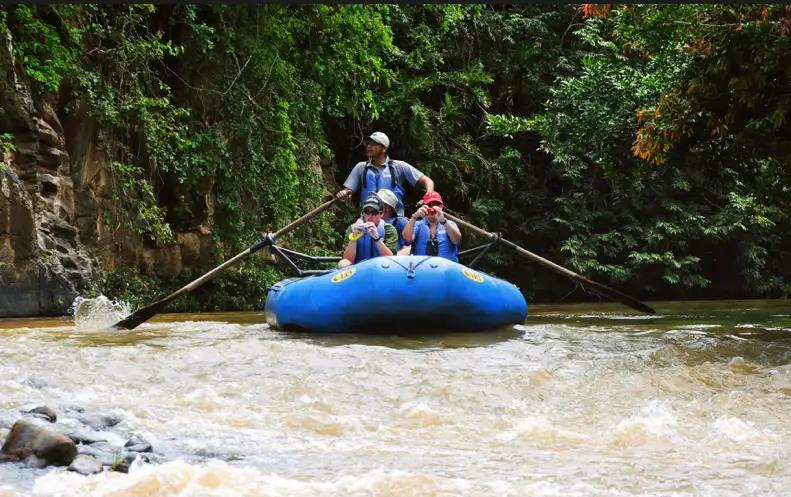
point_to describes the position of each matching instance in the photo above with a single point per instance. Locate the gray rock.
(99, 421)
(85, 465)
(98, 447)
(86, 437)
(26, 440)
(144, 447)
(136, 443)
(11, 174)
(106, 457)
(47, 413)
(34, 416)
(123, 465)
(153, 458)
(36, 463)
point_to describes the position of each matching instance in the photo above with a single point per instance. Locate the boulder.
(26, 440)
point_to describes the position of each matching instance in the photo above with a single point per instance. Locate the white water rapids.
(581, 401)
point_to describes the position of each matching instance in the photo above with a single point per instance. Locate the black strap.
(390, 167)
(393, 177)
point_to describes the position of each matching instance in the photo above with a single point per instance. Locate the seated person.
(394, 214)
(370, 236)
(430, 232)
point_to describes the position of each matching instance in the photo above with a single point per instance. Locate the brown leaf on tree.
(595, 9)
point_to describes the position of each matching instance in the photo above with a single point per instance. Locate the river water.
(583, 400)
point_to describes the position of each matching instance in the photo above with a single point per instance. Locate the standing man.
(380, 171)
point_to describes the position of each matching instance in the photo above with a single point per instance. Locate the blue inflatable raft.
(397, 294)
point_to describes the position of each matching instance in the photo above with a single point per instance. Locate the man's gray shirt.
(403, 170)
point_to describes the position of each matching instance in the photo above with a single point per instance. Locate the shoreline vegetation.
(642, 146)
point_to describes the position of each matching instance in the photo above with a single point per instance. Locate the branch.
(238, 74)
(174, 73)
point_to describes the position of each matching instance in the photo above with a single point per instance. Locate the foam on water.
(557, 410)
(98, 313)
(654, 420)
(736, 429)
(179, 478)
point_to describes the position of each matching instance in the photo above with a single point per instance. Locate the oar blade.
(142, 315)
(615, 295)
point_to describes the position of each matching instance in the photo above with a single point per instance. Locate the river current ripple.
(583, 400)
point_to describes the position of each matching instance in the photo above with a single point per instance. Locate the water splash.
(98, 313)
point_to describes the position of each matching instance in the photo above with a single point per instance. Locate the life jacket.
(422, 235)
(399, 222)
(387, 178)
(366, 246)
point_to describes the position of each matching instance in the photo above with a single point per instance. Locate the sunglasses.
(370, 212)
(434, 204)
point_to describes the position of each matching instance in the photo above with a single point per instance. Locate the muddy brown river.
(583, 400)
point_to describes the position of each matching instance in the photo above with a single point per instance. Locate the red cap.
(433, 196)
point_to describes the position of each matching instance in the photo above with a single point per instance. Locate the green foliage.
(264, 95)
(39, 44)
(6, 146)
(668, 181)
(241, 289)
(466, 73)
(644, 145)
(6, 139)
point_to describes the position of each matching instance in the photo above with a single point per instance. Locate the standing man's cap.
(380, 138)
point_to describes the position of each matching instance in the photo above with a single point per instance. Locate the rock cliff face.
(54, 191)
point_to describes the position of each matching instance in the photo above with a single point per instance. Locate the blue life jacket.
(399, 223)
(387, 178)
(422, 234)
(366, 246)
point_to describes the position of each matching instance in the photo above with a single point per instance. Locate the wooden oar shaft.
(592, 285)
(310, 215)
(530, 255)
(230, 262)
(149, 311)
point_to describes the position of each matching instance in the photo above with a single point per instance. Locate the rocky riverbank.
(84, 442)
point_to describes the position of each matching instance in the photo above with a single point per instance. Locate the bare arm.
(351, 251)
(409, 229)
(384, 250)
(353, 181)
(405, 250)
(454, 234)
(426, 183)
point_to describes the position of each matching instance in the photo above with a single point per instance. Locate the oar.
(147, 313)
(589, 284)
